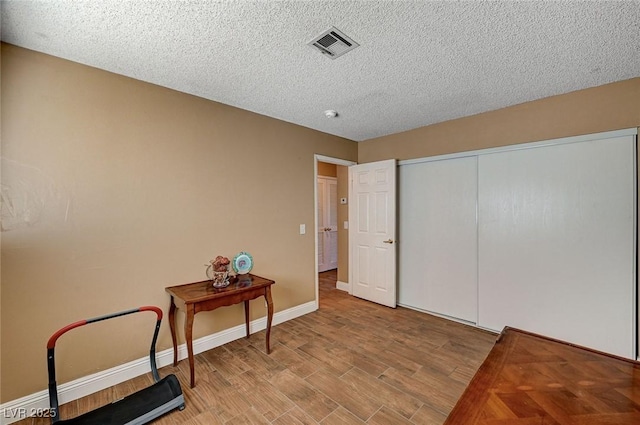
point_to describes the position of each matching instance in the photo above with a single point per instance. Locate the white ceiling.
(419, 62)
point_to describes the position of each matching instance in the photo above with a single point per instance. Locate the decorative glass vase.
(218, 279)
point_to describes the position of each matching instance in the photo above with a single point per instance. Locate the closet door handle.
(388, 241)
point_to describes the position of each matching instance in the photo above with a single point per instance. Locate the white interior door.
(327, 223)
(372, 233)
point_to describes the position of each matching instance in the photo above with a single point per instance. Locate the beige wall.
(326, 169)
(609, 107)
(121, 188)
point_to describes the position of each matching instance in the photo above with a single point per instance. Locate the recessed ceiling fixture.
(333, 43)
(330, 113)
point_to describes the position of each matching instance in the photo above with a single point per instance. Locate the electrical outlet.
(303, 229)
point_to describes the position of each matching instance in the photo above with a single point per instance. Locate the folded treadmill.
(140, 407)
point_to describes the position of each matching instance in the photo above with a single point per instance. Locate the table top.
(529, 378)
(204, 290)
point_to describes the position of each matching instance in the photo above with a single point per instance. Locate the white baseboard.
(342, 286)
(30, 405)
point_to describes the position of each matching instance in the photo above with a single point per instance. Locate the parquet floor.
(350, 362)
(531, 379)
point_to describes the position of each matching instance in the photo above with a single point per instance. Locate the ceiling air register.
(333, 43)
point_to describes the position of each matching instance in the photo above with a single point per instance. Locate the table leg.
(267, 296)
(246, 316)
(188, 334)
(172, 325)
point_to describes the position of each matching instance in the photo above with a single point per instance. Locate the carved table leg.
(246, 316)
(267, 296)
(172, 325)
(188, 333)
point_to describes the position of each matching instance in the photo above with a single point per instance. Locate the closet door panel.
(412, 234)
(438, 237)
(556, 242)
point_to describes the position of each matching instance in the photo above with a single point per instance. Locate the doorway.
(332, 220)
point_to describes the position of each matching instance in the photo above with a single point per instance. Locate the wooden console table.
(532, 379)
(202, 296)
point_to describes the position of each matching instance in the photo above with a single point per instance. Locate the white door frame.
(329, 160)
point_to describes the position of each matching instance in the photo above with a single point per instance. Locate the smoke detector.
(333, 43)
(330, 113)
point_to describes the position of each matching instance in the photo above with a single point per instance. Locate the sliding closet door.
(556, 242)
(438, 237)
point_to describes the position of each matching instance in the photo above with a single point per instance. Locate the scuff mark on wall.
(28, 197)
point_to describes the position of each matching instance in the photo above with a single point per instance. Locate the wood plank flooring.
(350, 362)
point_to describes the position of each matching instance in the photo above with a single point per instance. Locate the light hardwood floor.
(350, 362)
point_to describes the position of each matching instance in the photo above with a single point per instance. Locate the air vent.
(333, 43)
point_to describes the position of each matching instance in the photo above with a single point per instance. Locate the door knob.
(388, 241)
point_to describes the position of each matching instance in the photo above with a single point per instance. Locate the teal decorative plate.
(242, 263)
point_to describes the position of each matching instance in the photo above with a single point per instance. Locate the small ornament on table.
(218, 271)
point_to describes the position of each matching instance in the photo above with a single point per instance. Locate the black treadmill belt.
(135, 406)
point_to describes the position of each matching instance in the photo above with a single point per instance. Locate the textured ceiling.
(419, 62)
